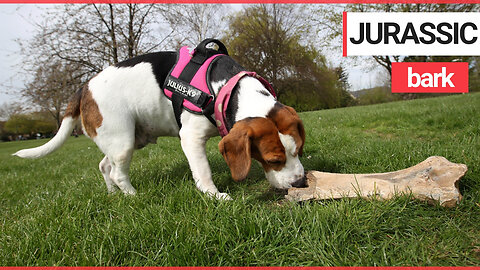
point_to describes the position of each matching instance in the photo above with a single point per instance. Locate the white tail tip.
(62, 135)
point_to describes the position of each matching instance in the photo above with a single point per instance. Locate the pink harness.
(221, 102)
(199, 81)
(196, 96)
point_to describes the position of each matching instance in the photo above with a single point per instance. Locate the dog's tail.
(66, 127)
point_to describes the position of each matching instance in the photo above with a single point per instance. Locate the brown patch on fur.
(91, 117)
(252, 137)
(288, 123)
(73, 108)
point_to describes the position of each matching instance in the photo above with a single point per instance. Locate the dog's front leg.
(193, 140)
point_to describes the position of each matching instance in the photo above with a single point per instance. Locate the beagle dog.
(123, 108)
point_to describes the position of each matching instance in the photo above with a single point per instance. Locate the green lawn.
(56, 211)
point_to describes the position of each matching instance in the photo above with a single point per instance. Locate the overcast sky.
(16, 22)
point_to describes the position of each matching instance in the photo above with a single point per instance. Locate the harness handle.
(202, 47)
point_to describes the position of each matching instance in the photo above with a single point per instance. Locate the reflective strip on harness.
(190, 93)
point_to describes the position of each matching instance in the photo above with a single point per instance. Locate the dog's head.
(275, 141)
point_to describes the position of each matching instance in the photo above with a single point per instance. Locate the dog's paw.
(223, 196)
(112, 189)
(129, 191)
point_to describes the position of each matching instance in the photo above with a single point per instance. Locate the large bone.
(434, 180)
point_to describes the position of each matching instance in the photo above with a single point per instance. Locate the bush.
(28, 124)
(377, 95)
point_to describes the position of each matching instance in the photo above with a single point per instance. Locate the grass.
(56, 211)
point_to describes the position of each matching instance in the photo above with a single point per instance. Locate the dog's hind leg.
(120, 163)
(106, 168)
(118, 150)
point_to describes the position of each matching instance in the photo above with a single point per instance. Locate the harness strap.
(177, 103)
(177, 100)
(192, 94)
(182, 89)
(208, 111)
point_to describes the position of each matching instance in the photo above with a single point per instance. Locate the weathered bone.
(433, 180)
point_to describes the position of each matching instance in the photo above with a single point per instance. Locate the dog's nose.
(300, 183)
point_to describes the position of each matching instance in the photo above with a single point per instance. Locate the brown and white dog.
(123, 109)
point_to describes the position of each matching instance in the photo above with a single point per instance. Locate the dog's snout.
(300, 183)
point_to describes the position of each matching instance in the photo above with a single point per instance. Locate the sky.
(16, 21)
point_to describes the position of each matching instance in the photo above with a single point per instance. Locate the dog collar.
(223, 97)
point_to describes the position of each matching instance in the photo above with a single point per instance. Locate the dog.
(123, 108)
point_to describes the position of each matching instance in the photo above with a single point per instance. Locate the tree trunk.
(131, 34)
(112, 35)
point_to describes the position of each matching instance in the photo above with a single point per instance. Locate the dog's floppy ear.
(301, 130)
(235, 148)
(288, 122)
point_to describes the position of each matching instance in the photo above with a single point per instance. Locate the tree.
(75, 42)
(28, 124)
(20, 124)
(266, 37)
(192, 23)
(268, 40)
(346, 99)
(474, 75)
(93, 36)
(7, 110)
(52, 87)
